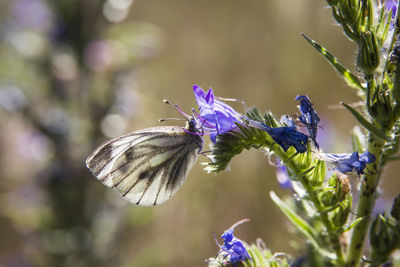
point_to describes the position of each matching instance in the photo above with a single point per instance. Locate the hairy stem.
(365, 202)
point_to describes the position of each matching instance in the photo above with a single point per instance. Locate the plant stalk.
(366, 201)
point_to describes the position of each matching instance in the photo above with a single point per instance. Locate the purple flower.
(284, 136)
(391, 5)
(283, 177)
(347, 162)
(233, 247)
(308, 117)
(31, 13)
(215, 117)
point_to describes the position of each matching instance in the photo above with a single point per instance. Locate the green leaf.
(304, 160)
(373, 129)
(348, 77)
(301, 224)
(357, 139)
(384, 25)
(340, 215)
(318, 175)
(394, 158)
(353, 224)
(370, 13)
(389, 224)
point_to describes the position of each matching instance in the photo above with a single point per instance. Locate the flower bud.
(328, 198)
(318, 175)
(383, 240)
(382, 110)
(395, 212)
(368, 53)
(340, 215)
(340, 188)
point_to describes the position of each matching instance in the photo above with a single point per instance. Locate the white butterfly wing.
(147, 167)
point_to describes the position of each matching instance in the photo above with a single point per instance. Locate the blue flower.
(215, 117)
(233, 247)
(283, 177)
(308, 117)
(347, 162)
(391, 5)
(284, 136)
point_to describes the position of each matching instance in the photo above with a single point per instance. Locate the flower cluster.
(323, 201)
(216, 117)
(233, 249)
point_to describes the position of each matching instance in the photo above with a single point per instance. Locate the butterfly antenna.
(171, 119)
(205, 155)
(202, 120)
(177, 109)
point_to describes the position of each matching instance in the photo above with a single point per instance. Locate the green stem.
(371, 88)
(366, 201)
(334, 238)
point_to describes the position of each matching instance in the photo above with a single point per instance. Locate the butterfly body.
(147, 167)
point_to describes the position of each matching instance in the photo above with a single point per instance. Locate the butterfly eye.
(192, 125)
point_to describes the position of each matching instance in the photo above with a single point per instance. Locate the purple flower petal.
(284, 136)
(308, 117)
(391, 5)
(367, 157)
(283, 177)
(215, 117)
(347, 162)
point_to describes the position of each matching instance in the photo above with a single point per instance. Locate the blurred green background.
(75, 73)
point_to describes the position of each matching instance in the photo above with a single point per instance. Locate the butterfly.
(147, 167)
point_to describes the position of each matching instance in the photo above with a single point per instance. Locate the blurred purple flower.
(12, 98)
(98, 55)
(391, 5)
(283, 177)
(215, 117)
(347, 162)
(34, 145)
(284, 136)
(31, 14)
(233, 247)
(382, 205)
(16, 259)
(308, 117)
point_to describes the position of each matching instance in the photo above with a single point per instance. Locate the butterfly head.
(192, 127)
